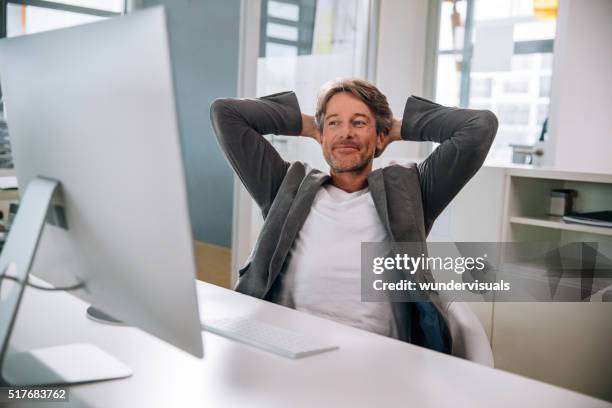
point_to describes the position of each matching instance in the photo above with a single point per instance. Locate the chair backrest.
(469, 338)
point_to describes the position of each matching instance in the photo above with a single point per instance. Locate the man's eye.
(359, 123)
(332, 122)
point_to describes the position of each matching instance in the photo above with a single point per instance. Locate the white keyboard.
(265, 336)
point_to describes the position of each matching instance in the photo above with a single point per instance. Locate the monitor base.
(62, 365)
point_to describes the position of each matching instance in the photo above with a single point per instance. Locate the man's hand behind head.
(393, 136)
(309, 128)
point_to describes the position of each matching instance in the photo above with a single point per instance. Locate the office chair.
(469, 338)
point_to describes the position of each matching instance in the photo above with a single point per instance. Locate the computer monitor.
(93, 108)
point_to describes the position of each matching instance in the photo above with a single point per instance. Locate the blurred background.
(542, 66)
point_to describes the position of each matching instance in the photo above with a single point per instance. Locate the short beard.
(351, 168)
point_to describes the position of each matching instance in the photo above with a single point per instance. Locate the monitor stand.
(97, 315)
(66, 364)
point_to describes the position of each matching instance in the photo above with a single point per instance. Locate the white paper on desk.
(493, 47)
(8, 182)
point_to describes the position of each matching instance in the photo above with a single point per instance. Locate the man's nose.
(346, 131)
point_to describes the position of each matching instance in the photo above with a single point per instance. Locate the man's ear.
(319, 137)
(380, 144)
(380, 141)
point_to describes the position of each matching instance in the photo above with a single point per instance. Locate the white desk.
(368, 370)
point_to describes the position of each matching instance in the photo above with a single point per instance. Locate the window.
(31, 16)
(286, 27)
(497, 55)
(20, 17)
(303, 44)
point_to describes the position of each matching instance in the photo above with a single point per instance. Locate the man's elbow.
(488, 123)
(481, 133)
(223, 114)
(218, 108)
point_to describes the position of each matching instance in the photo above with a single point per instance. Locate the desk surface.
(368, 370)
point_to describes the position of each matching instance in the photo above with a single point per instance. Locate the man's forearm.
(239, 125)
(465, 136)
(428, 121)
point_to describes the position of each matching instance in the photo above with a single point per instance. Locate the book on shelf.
(597, 218)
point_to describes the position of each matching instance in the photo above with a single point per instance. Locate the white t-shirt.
(323, 276)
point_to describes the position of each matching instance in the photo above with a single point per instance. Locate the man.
(307, 255)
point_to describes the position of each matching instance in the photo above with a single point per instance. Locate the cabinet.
(566, 344)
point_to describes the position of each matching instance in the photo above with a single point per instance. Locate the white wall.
(247, 88)
(581, 101)
(401, 56)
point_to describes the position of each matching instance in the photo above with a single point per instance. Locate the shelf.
(537, 272)
(552, 174)
(558, 223)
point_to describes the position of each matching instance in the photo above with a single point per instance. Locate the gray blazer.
(407, 198)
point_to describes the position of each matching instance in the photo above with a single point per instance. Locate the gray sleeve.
(465, 137)
(239, 125)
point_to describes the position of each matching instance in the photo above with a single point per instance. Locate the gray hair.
(364, 91)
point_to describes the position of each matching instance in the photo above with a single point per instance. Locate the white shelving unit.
(527, 198)
(7, 196)
(549, 221)
(566, 344)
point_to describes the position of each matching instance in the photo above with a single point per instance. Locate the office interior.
(542, 66)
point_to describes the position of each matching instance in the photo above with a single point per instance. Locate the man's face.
(349, 137)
